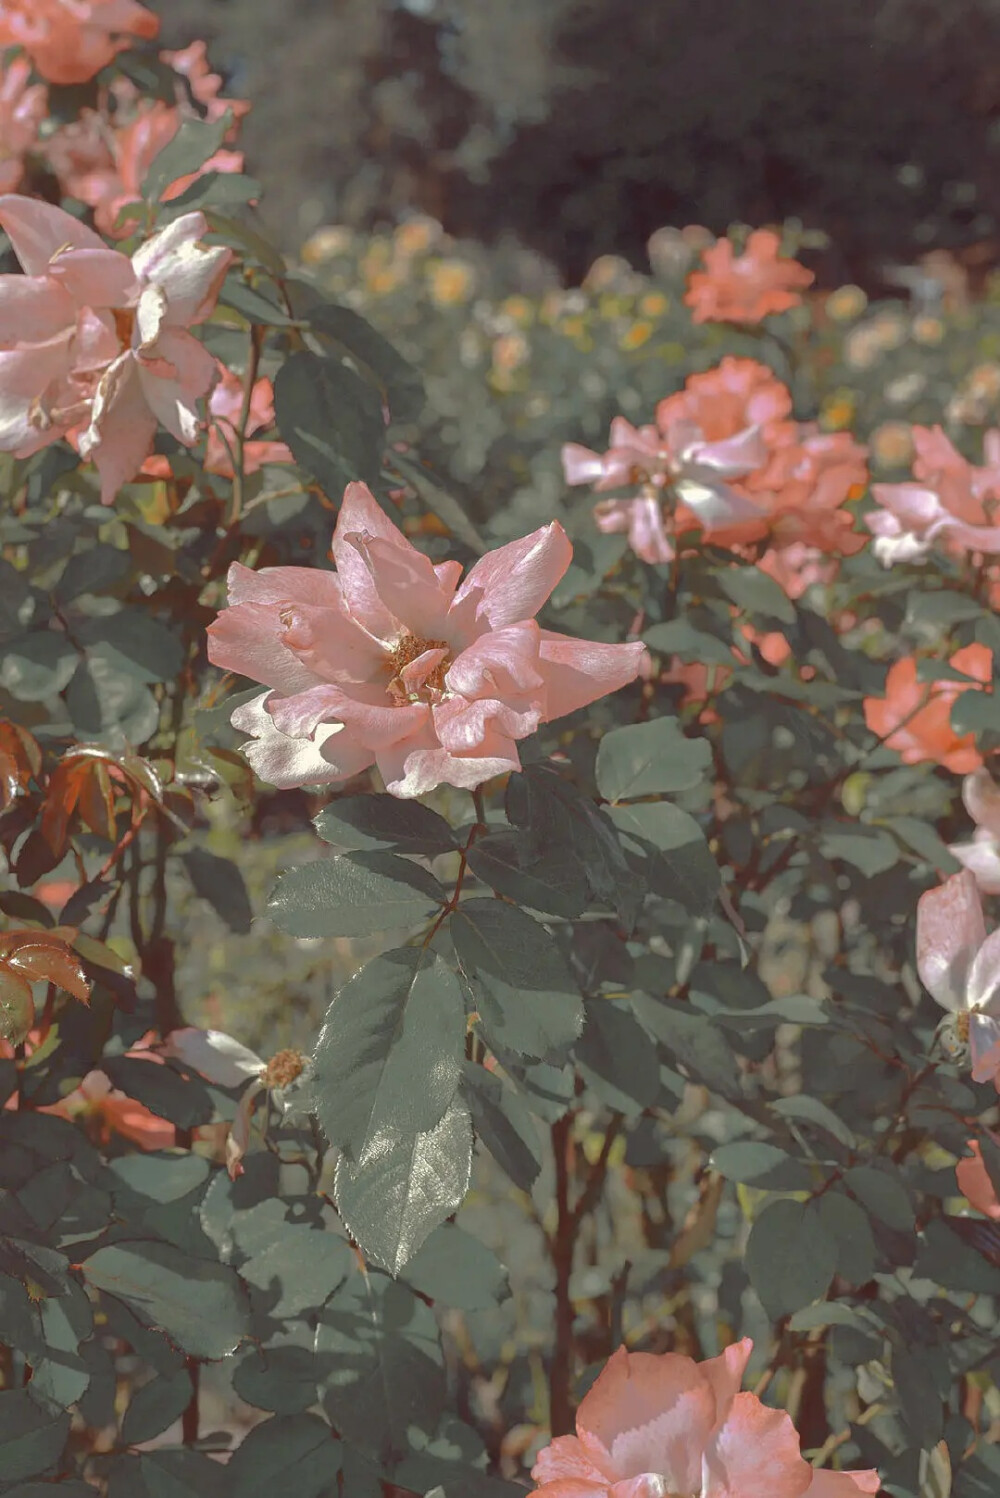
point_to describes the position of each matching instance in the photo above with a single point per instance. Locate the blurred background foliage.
(580, 126)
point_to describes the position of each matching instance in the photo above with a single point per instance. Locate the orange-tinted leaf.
(20, 759)
(97, 801)
(44, 958)
(65, 784)
(17, 1007)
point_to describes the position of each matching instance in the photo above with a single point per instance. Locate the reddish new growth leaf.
(20, 760)
(28, 957)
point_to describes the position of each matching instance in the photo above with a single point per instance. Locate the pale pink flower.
(951, 502)
(746, 288)
(391, 661)
(666, 1426)
(959, 965)
(98, 346)
(225, 406)
(974, 1180)
(642, 520)
(23, 107)
(981, 856)
(70, 40)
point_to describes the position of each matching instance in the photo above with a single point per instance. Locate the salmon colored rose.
(914, 717)
(69, 41)
(950, 502)
(746, 288)
(393, 661)
(669, 1427)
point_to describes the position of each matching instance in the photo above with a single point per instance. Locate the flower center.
(283, 1068)
(962, 1025)
(413, 679)
(124, 324)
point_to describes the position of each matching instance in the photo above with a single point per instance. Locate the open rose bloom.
(725, 455)
(949, 501)
(668, 1427)
(94, 345)
(746, 288)
(914, 717)
(981, 856)
(959, 965)
(70, 40)
(23, 107)
(393, 661)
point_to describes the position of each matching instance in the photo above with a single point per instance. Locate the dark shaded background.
(581, 125)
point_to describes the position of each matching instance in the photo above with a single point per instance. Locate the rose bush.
(473, 949)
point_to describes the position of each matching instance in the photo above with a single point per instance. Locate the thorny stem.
(478, 826)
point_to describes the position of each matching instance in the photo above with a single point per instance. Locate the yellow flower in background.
(610, 307)
(654, 304)
(846, 303)
(892, 444)
(519, 309)
(417, 236)
(837, 411)
(638, 334)
(327, 243)
(928, 330)
(572, 327)
(451, 282)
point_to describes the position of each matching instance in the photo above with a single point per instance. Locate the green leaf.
(211, 190)
(680, 863)
(679, 637)
(616, 1059)
(353, 894)
(179, 1474)
(298, 1269)
(390, 1052)
(380, 1364)
(884, 1195)
(31, 1440)
(17, 1007)
(219, 881)
(976, 711)
(757, 1163)
(503, 1125)
(199, 1304)
(106, 700)
(401, 385)
(37, 666)
(802, 1108)
(297, 1453)
(949, 1261)
(136, 643)
(649, 759)
(253, 304)
(162, 1175)
(281, 1378)
(156, 1406)
(870, 850)
(184, 1101)
(524, 992)
(405, 1186)
(791, 1256)
(439, 501)
(185, 153)
(331, 419)
(367, 823)
(847, 1224)
(551, 880)
(756, 592)
(692, 1039)
(458, 1270)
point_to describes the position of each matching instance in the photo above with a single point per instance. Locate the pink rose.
(391, 661)
(959, 965)
(668, 1427)
(981, 856)
(951, 501)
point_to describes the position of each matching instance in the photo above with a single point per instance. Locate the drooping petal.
(213, 1055)
(247, 638)
(984, 975)
(303, 585)
(122, 427)
(950, 931)
(419, 764)
(981, 796)
(374, 723)
(981, 857)
(173, 397)
(649, 1413)
(330, 755)
(38, 231)
(191, 274)
(482, 727)
(578, 672)
(755, 1454)
(26, 377)
(984, 1047)
(580, 464)
(513, 582)
(238, 1139)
